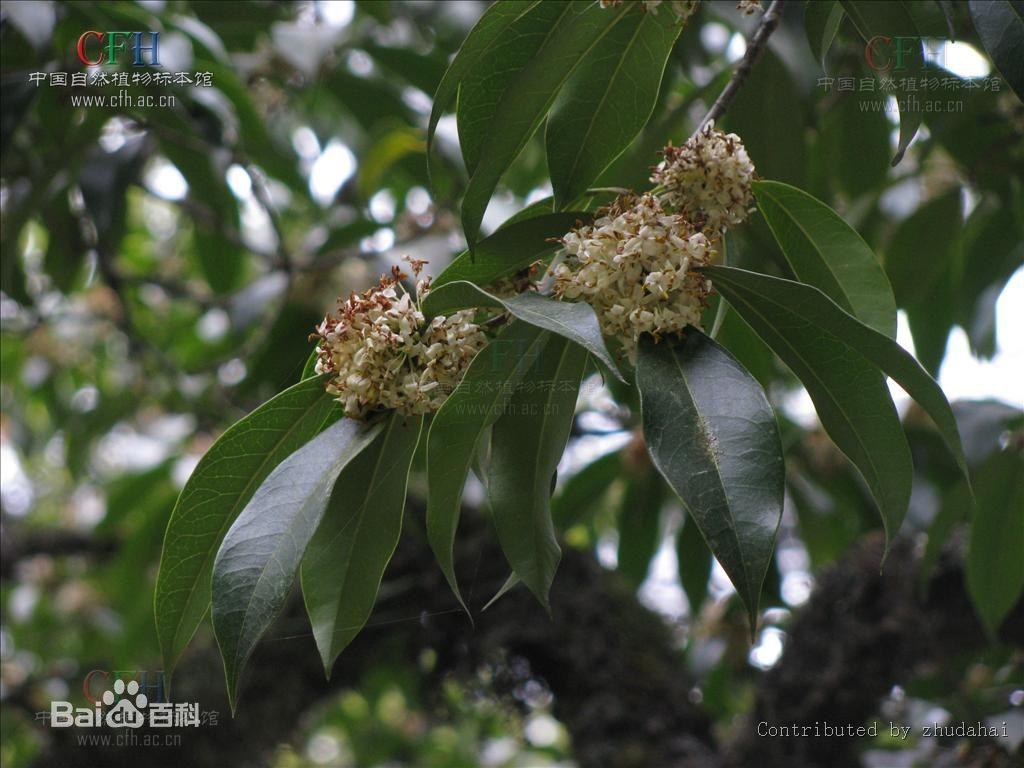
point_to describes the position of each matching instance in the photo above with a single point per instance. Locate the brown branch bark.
(755, 49)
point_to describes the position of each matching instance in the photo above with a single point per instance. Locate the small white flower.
(634, 265)
(682, 9)
(749, 7)
(381, 353)
(708, 179)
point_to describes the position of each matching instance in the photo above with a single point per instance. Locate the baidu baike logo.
(126, 712)
(124, 705)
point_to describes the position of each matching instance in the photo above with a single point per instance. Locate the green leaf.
(639, 525)
(923, 262)
(477, 46)
(375, 103)
(219, 261)
(992, 250)
(695, 563)
(946, 6)
(387, 151)
(504, 99)
(459, 425)
(12, 270)
(309, 369)
(345, 235)
(747, 347)
(65, 248)
(1000, 25)
(768, 113)
(826, 252)
(821, 22)
(606, 102)
(277, 357)
(501, 71)
(848, 392)
(919, 251)
(510, 583)
(853, 146)
(260, 555)
(423, 71)
(811, 324)
(828, 520)
(956, 504)
(220, 486)
(892, 21)
(931, 322)
(512, 248)
(574, 321)
(379, 11)
(587, 203)
(346, 558)
(713, 436)
(527, 443)
(995, 568)
(584, 489)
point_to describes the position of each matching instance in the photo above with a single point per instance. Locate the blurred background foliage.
(163, 267)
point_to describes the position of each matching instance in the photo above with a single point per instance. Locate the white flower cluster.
(749, 7)
(634, 265)
(382, 354)
(708, 179)
(682, 9)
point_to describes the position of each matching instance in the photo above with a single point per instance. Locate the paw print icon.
(125, 713)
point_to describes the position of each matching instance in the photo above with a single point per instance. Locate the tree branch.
(18, 544)
(755, 48)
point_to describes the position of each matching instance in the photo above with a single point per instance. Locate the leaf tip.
(490, 602)
(167, 676)
(443, 553)
(543, 597)
(232, 696)
(471, 229)
(325, 657)
(169, 663)
(465, 609)
(885, 554)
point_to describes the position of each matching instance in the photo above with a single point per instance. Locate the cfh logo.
(885, 53)
(97, 48)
